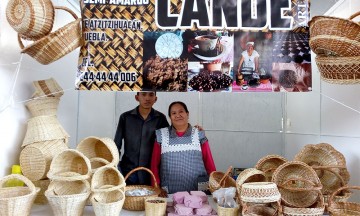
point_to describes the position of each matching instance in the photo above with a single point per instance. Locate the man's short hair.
(137, 93)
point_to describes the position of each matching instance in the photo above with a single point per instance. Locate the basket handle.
(283, 185)
(56, 7)
(333, 172)
(145, 169)
(354, 15)
(22, 178)
(331, 200)
(226, 175)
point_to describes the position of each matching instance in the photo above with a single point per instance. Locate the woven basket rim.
(315, 18)
(98, 174)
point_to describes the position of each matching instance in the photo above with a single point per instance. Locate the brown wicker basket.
(47, 88)
(155, 206)
(249, 175)
(107, 179)
(329, 45)
(32, 18)
(260, 210)
(343, 208)
(269, 164)
(297, 183)
(57, 44)
(316, 210)
(219, 180)
(108, 203)
(137, 203)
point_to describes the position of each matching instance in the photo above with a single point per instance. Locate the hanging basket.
(106, 179)
(108, 203)
(329, 45)
(137, 203)
(219, 180)
(47, 88)
(43, 106)
(269, 164)
(343, 208)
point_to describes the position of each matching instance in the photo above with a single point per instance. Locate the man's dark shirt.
(139, 137)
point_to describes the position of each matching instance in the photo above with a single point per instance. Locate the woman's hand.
(199, 127)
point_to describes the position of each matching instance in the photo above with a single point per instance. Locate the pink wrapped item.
(193, 201)
(200, 194)
(181, 209)
(204, 210)
(178, 197)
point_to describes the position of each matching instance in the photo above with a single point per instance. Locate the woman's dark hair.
(178, 102)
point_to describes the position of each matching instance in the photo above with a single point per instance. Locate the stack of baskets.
(69, 187)
(342, 208)
(336, 42)
(33, 20)
(45, 137)
(269, 164)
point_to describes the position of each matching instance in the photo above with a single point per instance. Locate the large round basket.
(43, 106)
(137, 203)
(47, 88)
(95, 147)
(316, 210)
(259, 210)
(219, 180)
(70, 165)
(56, 44)
(249, 175)
(15, 201)
(260, 192)
(35, 159)
(343, 208)
(32, 18)
(329, 164)
(155, 206)
(269, 164)
(68, 197)
(334, 46)
(108, 203)
(106, 179)
(297, 183)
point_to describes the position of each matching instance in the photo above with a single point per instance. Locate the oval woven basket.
(70, 165)
(155, 206)
(95, 147)
(35, 159)
(297, 183)
(260, 192)
(43, 185)
(32, 18)
(43, 106)
(56, 44)
(44, 128)
(68, 197)
(329, 45)
(219, 180)
(269, 164)
(47, 88)
(16, 201)
(258, 210)
(107, 179)
(108, 203)
(343, 208)
(316, 210)
(249, 175)
(137, 203)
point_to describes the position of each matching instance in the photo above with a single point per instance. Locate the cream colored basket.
(108, 203)
(47, 88)
(68, 197)
(43, 185)
(260, 192)
(155, 206)
(43, 106)
(16, 201)
(107, 179)
(249, 175)
(70, 165)
(222, 211)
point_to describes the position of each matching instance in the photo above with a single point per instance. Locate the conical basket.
(43, 106)
(108, 203)
(47, 88)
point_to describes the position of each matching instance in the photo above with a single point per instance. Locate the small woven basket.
(155, 206)
(15, 201)
(222, 211)
(106, 179)
(316, 210)
(343, 208)
(95, 147)
(259, 210)
(68, 197)
(43, 106)
(137, 203)
(32, 18)
(329, 45)
(249, 175)
(97, 163)
(43, 185)
(108, 203)
(219, 180)
(47, 88)
(269, 164)
(70, 165)
(35, 159)
(260, 192)
(56, 44)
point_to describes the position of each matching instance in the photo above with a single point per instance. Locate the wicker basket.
(44, 128)
(95, 147)
(137, 203)
(222, 211)
(47, 88)
(343, 208)
(70, 165)
(334, 46)
(108, 203)
(219, 180)
(43, 185)
(155, 206)
(57, 44)
(106, 179)
(259, 210)
(35, 159)
(260, 192)
(269, 164)
(43, 106)
(32, 18)
(297, 183)
(316, 210)
(249, 175)
(68, 197)
(97, 163)
(15, 201)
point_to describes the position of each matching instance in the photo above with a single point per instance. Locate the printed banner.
(195, 45)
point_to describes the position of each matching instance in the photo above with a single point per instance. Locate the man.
(137, 128)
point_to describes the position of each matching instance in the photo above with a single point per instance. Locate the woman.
(249, 58)
(181, 153)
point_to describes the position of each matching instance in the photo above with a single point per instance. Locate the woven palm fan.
(269, 163)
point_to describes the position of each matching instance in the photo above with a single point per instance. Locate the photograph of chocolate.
(210, 60)
(165, 64)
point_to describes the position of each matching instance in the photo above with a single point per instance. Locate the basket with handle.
(316, 210)
(97, 163)
(249, 175)
(155, 206)
(260, 192)
(343, 208)
(269, 163)
(16, 201)
(137, 203)
(219, 180)
(56, 44)
(68, 197)
(330, 45)
(43, 106)
(107, 178)
(108, 203)
(31, 18)
(259, 210)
